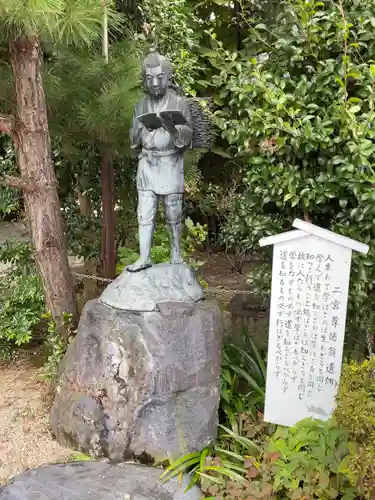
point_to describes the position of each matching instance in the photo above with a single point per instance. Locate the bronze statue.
(162, 127)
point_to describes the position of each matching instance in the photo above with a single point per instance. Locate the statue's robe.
(161, 164)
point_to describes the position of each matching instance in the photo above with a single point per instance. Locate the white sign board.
(310, 282)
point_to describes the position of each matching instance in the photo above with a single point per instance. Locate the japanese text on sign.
(307, 324)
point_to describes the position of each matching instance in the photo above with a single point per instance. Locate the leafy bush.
(314, 459)
(171, 27)
(355, 411)
(300, 115)
(22, 314)
(56, 345)
(304, 461)
(216, 461)
(194, 236)
(259, 279)
(22, 298)
(10, 199)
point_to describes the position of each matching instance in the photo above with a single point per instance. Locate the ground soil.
(223, 281)
(25, 436)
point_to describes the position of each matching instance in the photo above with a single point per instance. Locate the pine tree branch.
(15, 182)
(7, 123)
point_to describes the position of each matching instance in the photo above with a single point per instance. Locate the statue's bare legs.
(145, 243)
(175, 235)
(147, 208)
(173, 215)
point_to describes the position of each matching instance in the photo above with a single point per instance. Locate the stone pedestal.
(142, 383)
(143, 291)
(96, 481)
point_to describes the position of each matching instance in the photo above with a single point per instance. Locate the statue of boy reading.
(162, 128)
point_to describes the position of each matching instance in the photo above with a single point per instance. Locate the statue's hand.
(168, 125)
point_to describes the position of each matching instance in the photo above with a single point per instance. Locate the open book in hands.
(152, 120)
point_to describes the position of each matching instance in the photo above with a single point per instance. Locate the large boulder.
(95, 480)
(141, 383)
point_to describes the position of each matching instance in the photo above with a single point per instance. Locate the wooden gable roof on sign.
(306, 229)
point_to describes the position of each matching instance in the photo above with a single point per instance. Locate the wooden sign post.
(309, 295)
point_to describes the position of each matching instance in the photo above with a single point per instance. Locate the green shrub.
(10, 199)
(297, 106)
(218, 463)
(173, 28)
(313, 459)
(355, 411)
(306, 461)
(57, 341)
(21, 295)
(194, 235)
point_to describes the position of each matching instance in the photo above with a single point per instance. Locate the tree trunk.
(33, 152)
(90, 286)
(108, 241)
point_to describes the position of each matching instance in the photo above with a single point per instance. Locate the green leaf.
(354, 74)
(247, 443)
(209, 53)
(343, 203)
(174, 471)
(229, 453)
(81, 457)
(221, 152)
(252, 382)
(323, 480)
(339, 80)
(212, 479)
(192, 483)
(204, 455)
(189, 223)
(295, 201)
(355, 109)
(259, 358)
(182, 461)
(227, 472)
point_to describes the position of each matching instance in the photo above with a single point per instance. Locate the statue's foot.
(176, 258)
(139, 265)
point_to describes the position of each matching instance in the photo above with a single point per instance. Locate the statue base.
(143, 290)
(146, 382)
(90, 480)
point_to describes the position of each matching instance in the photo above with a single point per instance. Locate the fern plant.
(243, 381)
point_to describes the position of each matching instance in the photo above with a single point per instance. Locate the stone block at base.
(145, 383)
(143, 291)
(95, 481)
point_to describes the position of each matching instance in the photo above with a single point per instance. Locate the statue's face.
(156, 81)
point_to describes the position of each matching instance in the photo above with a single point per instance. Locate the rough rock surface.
(250, 314)
(141, 383)
(95, 480)
(143, 291)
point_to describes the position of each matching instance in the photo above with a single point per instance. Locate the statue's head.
(157, 72)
